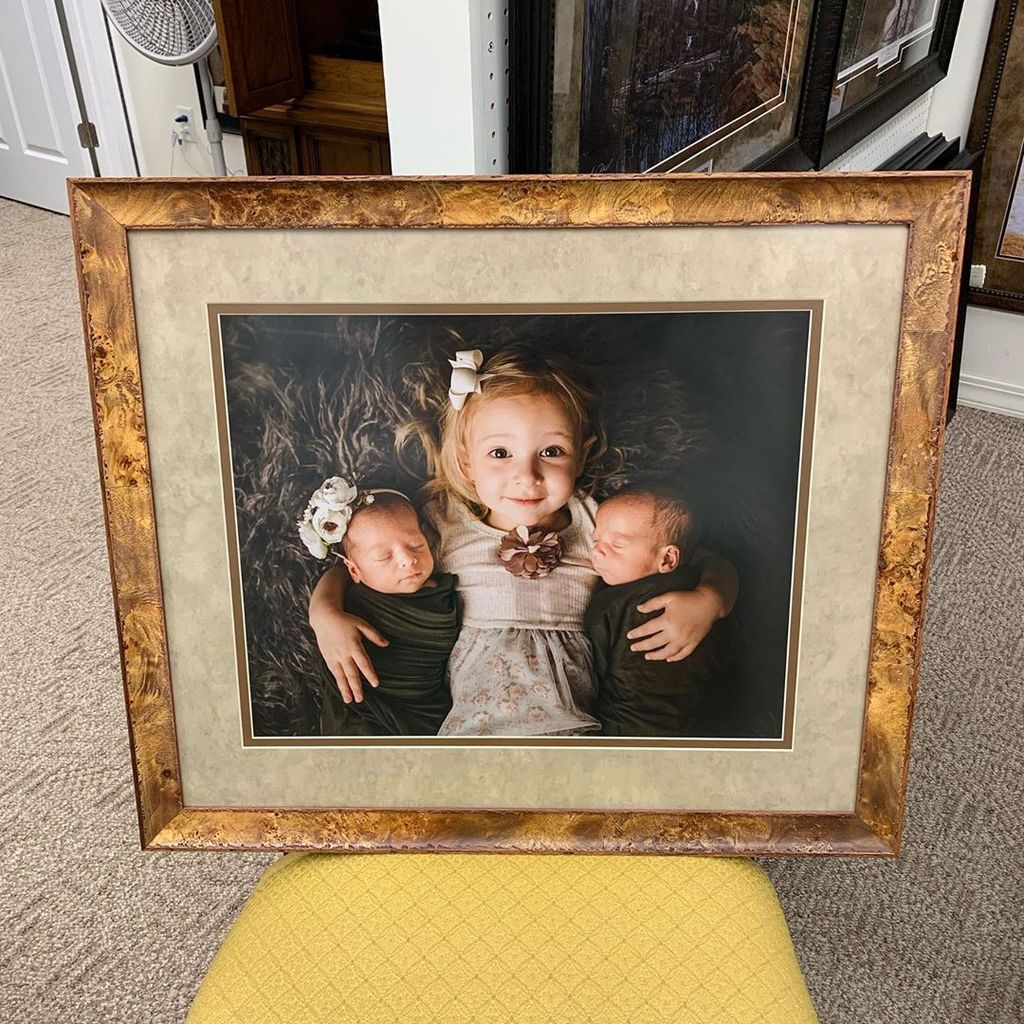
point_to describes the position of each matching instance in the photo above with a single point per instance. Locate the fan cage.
(167, 31)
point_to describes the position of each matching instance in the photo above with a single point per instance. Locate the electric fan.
(175, 32)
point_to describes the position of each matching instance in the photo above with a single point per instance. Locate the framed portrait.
(521, 513)
(997, 128)
(890, 52)
(656, 85)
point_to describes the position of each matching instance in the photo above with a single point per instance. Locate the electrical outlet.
(182, 125)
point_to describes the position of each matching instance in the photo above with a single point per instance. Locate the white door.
(39, 146)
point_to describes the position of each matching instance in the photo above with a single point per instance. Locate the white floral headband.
(466, 378)
(330, 509)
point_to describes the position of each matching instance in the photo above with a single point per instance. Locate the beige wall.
(153, 93)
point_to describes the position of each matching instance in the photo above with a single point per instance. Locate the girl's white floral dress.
(522, 665)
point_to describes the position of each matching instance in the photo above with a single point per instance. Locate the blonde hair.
(513, 370)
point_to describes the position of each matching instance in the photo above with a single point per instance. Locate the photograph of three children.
(536, 523)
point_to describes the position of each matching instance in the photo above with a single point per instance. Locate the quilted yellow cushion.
(458, 938)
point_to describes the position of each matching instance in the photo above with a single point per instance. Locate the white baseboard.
(991, 395)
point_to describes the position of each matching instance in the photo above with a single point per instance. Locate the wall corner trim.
(1006, 397)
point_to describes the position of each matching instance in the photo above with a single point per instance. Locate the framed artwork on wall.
(890, 52)
(655, 85)
(997, 128)
(630, 565)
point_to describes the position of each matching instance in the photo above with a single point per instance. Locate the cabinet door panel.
(341, 152)
(260, 46)
(270, 148)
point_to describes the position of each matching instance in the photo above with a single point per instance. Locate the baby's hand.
(340, 639)
(686, 618)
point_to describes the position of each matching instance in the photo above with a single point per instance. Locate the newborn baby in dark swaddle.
(394, 588)
(645, 545)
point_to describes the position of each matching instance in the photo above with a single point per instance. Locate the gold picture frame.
(119, 228)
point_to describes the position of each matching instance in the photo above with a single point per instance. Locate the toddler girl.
(515, 529)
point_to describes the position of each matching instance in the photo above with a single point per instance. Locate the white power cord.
(176, 144)
(180, 136)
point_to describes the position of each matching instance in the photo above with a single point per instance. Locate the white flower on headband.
(334, 493)
(330, 510)
(466, 379)
(314, 543)
(327, 516)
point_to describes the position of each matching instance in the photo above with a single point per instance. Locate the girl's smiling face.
(523, 454)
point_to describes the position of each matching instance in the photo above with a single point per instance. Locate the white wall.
(428, 79)
(153, 93)
(953, 97)
(446, 79)
(992, 374)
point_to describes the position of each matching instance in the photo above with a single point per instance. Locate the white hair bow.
(466, 379)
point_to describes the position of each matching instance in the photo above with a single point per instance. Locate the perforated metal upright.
(888, 139)
(446, 76)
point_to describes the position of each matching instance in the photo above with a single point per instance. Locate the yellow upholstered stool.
(477, 938)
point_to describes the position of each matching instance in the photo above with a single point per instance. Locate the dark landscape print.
(872, 25)
(661, 76)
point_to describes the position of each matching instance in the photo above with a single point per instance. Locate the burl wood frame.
(934, 208)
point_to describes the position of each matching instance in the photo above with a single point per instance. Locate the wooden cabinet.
(270, 148)
(305, 79)
(323, 151)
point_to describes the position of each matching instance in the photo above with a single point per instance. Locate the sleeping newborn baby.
(394, 588)
(645, 545)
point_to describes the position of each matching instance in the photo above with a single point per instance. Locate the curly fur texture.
(713, 398)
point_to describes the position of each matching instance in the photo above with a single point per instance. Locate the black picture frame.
(995, 130)
(531, 69)
(803, 152)
(849, 127)
(531, 64)
(923, 153)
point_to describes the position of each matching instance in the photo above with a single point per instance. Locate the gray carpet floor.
(92, 929)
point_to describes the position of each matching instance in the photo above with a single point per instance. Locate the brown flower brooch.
(530, 553)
